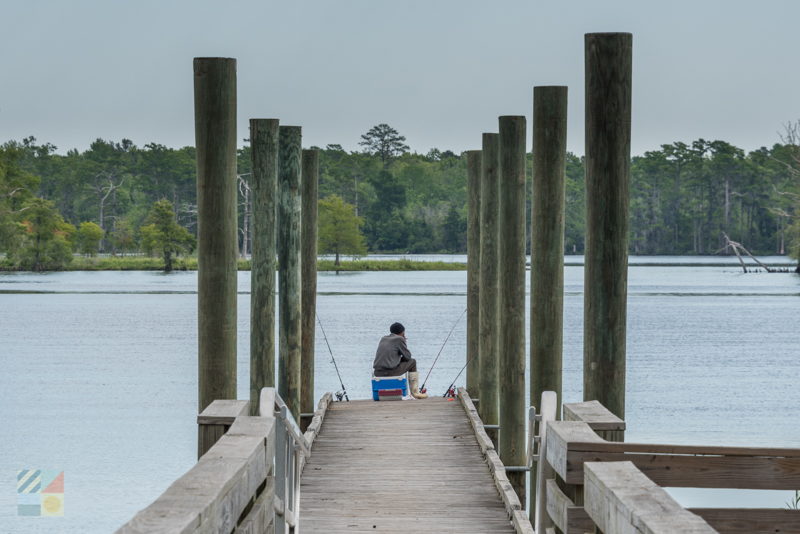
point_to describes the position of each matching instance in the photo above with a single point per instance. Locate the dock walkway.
(412, 466)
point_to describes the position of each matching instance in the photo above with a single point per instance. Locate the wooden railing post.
(512, 298)
(289, 270)
(215, 138)
(264, 184)
(473, 269)
(488, 295)
(310, 179)
(608, 151)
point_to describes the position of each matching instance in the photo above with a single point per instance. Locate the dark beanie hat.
(397, 328)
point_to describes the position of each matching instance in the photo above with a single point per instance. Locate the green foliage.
(88, 238)
(339, 228)
(390, 265)
(794, 502)
(16, 189)
(683, 195)
(46, 242)
(385, 142)
(123, 236)
(163, 235)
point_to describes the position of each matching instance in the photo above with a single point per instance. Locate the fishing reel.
(450, 393)
(340, 395)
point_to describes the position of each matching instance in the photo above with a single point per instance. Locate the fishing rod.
(450, 392)
(422, 389)
(343, 392)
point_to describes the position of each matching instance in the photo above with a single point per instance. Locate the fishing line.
(343, 392)
(422, 389)
(449, 392)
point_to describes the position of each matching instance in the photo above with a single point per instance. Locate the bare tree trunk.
(244, 189)
(727, 219)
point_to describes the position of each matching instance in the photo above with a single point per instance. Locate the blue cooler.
(389, 387)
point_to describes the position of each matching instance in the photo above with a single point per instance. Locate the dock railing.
(247, 479)
(614, 487)
(513, 506)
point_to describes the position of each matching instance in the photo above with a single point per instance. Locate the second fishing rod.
(422, 388)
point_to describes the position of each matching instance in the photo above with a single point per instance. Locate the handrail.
(549, 410)
(617, 493)
(519, 519)
(247, 478)
(229, 487)
(616, 486)
(288, 441)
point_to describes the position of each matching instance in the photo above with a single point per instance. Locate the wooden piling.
(608, 147)
(488, 295)
(547, 245)
(264, 185)
(473, 268)
(289, 269)
(512, 298)
(310, 179)
(215, 138)
(547, 239)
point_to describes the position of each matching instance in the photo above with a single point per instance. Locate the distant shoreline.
(143, 263)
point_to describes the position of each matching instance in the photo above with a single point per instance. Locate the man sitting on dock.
(394, 359)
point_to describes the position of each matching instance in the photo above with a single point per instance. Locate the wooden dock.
(399, 467)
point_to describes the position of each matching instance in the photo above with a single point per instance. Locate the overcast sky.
(439, 71)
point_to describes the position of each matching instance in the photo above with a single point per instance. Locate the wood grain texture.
(571, 444)
(544, 472)
(608, 147)
(547, 239)
(264, 185)
(289, 268)
(473, 269)
(513, 413)
(223, 412)
(488, 296)
(568, 517)
(399, 467)
(597, 416)
(217, 238)
(751, 520)
(622, 500)
(310, 180)
(217, 491)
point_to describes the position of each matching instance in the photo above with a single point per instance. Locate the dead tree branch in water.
(736, 247)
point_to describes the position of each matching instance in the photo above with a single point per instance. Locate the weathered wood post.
(310, 179)
(289, 270)
(215, 138)
(264, 184)
(473, 268)
(488, 407)
(512, 298)
(608, 148)
(547, 245)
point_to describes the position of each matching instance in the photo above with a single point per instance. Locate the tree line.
(384, 198)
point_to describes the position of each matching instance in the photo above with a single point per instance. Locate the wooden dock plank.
(395, 466)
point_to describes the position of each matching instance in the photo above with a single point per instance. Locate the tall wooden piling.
(215, 138)
(608, 147)
(289, 269)
(264, 185)
(473, 269)
(489, 299)
(547, 246)
(547, 240)
(512, 298)
(310, 179)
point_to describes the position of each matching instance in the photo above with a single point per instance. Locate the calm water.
(99, 369)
